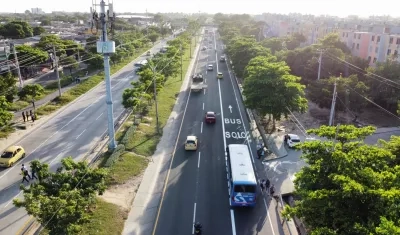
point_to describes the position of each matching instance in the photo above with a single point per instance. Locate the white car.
(292, 140)
(191, 143)
(210, 67)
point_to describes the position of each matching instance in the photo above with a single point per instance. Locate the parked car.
(292, 140)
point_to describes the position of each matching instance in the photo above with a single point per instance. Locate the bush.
(115, 155)
(128, 133)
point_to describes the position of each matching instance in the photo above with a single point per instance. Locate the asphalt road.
(72, 132)
(197, 188)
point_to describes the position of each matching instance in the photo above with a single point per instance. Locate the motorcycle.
(198, 228)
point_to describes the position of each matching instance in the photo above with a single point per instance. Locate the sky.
(341, 8)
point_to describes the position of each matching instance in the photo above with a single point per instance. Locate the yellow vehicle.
(219, 75)
(11, 155)
(191, 143)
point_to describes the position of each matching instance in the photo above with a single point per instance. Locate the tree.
(96, 61)
(13, 31)
(153, 37)
(5, 116)
(38, 30)
(348, 187)
(62, 199)
(350, 92)
(45, 22)
(269, 88)
(242, 50)
(31, 90)
(46, 44)
(274, 44)
(29, 55)
(7, 86)
(294, 41)
(69, 62)
(385, 92)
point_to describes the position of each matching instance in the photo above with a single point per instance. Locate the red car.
(210, 117)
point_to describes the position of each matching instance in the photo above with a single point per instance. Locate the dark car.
(210, 117)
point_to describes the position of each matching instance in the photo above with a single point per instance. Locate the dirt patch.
(123, 194)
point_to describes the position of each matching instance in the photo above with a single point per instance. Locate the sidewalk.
(38, 103)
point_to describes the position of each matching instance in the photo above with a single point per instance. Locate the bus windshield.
(245, 188)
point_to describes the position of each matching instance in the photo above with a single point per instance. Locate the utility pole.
(106, 48)
(155, 99)
(190, 48)
(21, 82)
(320, 63)
(181, 62)
(55, 60)
(333, 103)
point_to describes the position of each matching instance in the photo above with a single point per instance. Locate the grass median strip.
(142, 142)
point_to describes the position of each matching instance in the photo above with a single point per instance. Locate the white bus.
(242, 179)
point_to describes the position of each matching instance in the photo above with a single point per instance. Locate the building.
(378, 44)
(37, 11)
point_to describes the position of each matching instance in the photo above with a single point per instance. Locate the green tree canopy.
(16, 30)
(31, 91)
(28, 55)
(348, 187)
(60, 200)
(5, 116)
(38, 30)
(7, 86)
(321, 92)
(242, 50)
(269, 88)
(153, 37)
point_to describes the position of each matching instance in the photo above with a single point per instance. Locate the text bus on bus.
(242, 179)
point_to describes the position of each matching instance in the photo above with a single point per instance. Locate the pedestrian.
(25, 174)
(25, 171)
(272, 190)
(33, 173)
(267, 184)
(262, 185)
(33, 104)
(23, 115)
(27, 115)
(32, 116)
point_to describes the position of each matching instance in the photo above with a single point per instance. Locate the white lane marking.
(203, 106)
(99, 116)
(55, 158)
(248, 144)
(206, 71)
(194, 217)
(233, 223)
(12, 199)
(269, 217)
(222, 114)
(205, 80)
(80, 134)
(198, 162)
(40, 145)
(201, 128)
(204, 91)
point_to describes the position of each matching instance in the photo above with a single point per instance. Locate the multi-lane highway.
(196, 188)
(72, 132)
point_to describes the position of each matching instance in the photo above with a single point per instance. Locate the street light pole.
(21, 82)
(106, 48)
(181, 62)
(155, 99)
(56, 70)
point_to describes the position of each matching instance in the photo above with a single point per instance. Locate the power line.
(360, 69)
(377, 105)
(141, 97)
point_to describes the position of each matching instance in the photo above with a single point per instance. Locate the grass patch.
(107, 219)
(145, 139)
(18, 105)
(122, 130)
(127, 166)
(81, 88)
(6, 131)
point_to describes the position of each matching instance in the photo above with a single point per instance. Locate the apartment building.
(377, 45)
